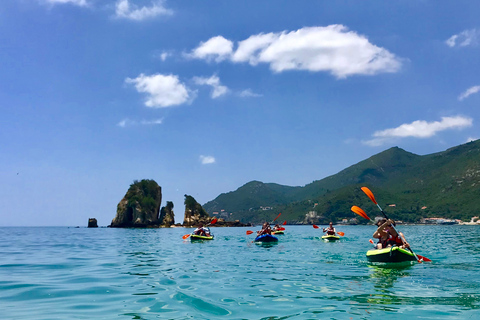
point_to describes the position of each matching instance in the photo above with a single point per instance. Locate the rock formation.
(194, 213)
(167, 218)
(140, 206)
(92, 223)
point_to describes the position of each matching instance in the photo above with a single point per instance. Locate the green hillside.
(446, 183)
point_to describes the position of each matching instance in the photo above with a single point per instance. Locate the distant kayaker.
(387, 236)
(330, 230)
(202, 231)
(265, 229)
(276, 227)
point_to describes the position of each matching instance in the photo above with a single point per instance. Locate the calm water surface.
(80, 273)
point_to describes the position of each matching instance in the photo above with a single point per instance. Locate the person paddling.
(265, 229)
(202, 231)
(330, 230)
(387, 235)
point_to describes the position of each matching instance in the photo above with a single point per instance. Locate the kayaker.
(330, 230)
(380, 234)
(387, 236)
(202, 231)
(265, 229)
(276, 227)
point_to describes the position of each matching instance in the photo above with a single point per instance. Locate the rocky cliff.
(167, 218)
(194, 213)
(140, 206)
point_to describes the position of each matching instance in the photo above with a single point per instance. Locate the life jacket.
(394, 241)
(330, 231)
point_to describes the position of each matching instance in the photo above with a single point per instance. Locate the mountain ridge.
(441, 183)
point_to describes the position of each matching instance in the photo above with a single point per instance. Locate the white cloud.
(214, 82)
(248, 93)
(332, 49)
(127, 122)
(469, 92)
(470, 139)
(124, 9)
(81, 3)
(419, 129)
(207, 159)
(164, 55)
(216, 48)
(464, 38)
(162, 90)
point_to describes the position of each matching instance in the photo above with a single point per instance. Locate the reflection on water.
(385, 276)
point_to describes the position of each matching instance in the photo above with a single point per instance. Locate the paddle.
(285, 223)
(372, 197)
(250, 231)
(340, 233)
(211, 222)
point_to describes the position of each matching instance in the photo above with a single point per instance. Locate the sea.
(107, 273)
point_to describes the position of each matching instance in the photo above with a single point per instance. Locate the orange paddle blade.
(285, 222)
(213, 221)
(341, 233)
(249, 231)
(369, 194)
(186, 236)
(371, 241)
(423, 258)
(360, 212)
(316, 227)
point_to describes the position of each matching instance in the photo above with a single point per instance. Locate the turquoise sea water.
(80, 273)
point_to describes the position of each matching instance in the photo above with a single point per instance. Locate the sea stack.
(140, 206)
(194, 213)
(167, 218)
(92, 223)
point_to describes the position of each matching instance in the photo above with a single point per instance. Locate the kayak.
(279, 232)
(194, 237)
(330, 237)
(390, 255)
(266, 238)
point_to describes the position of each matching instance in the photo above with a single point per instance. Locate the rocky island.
(140, 208)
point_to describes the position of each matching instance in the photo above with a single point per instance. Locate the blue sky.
(205, 96)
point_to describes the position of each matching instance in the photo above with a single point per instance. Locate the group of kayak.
(391, 247)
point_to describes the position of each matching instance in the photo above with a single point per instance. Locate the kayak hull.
(279, 232)
(330, 238)
(266, 238)
(390, 255)
(194, 237)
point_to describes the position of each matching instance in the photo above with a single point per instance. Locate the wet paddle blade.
(371, 241)
(341, 233)
(369, 194)
(425, 259)
(285, 223)
(213, 221)
(186, 236)
(249, 231)
(360, 212)
(316, 227)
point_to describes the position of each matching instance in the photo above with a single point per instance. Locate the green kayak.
(194, 237)
(390, 255)
(330, 237)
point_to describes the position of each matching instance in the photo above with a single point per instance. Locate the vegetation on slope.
(444, 184)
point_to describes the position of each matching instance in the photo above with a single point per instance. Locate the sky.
(205, 96)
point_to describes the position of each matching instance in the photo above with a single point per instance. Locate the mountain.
(444, 184)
